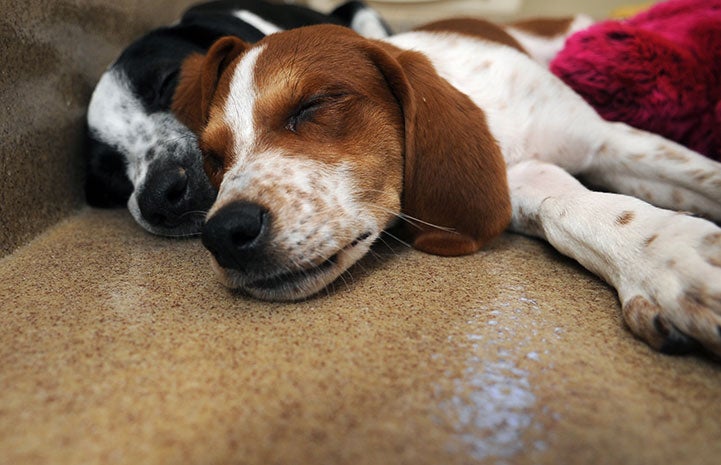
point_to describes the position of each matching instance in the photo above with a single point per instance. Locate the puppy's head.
(318, 140)
(138, 153)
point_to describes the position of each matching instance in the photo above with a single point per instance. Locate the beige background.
(404, 14)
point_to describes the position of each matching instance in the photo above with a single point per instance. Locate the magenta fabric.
(659, 71)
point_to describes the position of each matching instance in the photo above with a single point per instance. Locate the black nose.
(165, 196)
(235, 234)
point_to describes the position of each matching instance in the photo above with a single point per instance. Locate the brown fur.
(544, 27)
(202, 90)
(473, 27)
(188, 98)
(455, 175)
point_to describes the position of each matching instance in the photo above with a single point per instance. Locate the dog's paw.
(671, 296)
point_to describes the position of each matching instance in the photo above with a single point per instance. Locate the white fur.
(257, 22)
(117, 117)
(368, 24)
(316, 217)
(238, 111)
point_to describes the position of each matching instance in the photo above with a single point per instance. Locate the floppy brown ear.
(454, 175)
(199, 78)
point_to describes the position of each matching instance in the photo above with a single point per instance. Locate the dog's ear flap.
(199, 79)
(455, 182)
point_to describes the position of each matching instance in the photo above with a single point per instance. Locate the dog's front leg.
(666, 174)
(665, 266)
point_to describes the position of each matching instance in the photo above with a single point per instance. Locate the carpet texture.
(120, 348)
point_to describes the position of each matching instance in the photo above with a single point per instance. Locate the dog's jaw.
(300, 283)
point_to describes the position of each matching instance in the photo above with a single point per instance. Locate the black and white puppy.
(138, 153)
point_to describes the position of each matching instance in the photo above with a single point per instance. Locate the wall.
(405, 14)
(51, 54)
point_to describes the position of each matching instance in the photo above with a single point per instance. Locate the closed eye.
(167, 85)
(214, 161)
(307, 109)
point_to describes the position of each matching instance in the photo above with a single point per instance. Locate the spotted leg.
(665, 266)
(663, 173)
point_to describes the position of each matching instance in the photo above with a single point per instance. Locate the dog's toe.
(647, 322)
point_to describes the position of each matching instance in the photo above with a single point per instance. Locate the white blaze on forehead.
(257, 22)
(240, 103)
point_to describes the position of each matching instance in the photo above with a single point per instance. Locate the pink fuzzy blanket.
(659, 71)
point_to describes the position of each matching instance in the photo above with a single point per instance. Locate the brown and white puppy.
(319, 139)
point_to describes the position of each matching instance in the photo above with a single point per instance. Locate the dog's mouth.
(300, 283)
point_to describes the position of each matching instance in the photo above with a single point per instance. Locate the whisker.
(398, 239)
(193, 212)
(178, 236)
(413, 220)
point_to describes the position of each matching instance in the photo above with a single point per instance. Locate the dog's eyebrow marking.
(257, 22)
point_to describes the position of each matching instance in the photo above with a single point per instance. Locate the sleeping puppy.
(319, 139)
(138, 153)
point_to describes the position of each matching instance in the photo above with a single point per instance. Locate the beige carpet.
(120, 348)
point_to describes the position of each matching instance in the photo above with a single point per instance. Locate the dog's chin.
(289, 285)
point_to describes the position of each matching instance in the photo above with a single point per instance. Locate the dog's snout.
(234, 234)
(175, 186)
(165, 196)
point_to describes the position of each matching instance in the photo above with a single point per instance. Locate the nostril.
(244, 236)
(176, 189)
(245, 224)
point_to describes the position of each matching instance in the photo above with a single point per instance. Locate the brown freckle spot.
(677, 196)
(711, 245)
(671, 263)
(603, 149)
(702, 176)
(625, 218)
(673, 156)
(712, 240)
(649, 240)
(637, 156)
